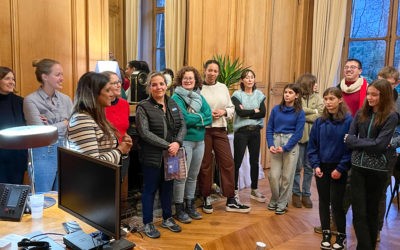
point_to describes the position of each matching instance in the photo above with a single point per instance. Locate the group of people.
(48, 106)
(303, 131)
(349, 149)
(195, 118)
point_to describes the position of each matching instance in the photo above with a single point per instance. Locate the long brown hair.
(297, 102)
(87, 92)
(385, 105)
(306, 83)
(340, 115)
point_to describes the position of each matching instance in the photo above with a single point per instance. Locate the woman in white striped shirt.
(88, 131)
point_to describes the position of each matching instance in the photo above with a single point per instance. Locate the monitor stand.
(121, 244)
(81, 240)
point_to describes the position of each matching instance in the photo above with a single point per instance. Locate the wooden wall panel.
(304, 38)
(194, 51)
(116, 31)
(44, 31)
(211, 30)
(5, 31)
(79, 56)
(97, 33)
(282, 57)
(74, 32)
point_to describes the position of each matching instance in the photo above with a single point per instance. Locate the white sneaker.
(255, 195)
(207, 205)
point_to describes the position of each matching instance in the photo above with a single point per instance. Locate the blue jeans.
(282, 172)
(307, 173)
(45, 167)
(153, 179)
(187, 187)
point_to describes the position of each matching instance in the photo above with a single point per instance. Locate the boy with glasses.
(353, 85)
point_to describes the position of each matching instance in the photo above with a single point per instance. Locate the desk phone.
(13, 201)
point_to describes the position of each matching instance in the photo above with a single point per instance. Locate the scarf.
(353, 87)
(191, 98)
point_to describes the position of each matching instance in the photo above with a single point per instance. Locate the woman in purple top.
(48, 106)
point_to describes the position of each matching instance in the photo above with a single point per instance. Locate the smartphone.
(71, 226)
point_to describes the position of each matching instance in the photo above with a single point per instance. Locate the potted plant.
(230, 70)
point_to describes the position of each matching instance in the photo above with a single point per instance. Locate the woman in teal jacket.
(197, 115)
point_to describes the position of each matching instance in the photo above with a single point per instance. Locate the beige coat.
(313, 108)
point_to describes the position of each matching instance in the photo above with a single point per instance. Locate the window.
(158, 34)
(373, 35)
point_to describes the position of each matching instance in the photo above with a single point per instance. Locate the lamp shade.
(25, 137)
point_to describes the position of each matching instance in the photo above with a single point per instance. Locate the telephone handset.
(13, 201)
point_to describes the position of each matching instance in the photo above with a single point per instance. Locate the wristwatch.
(123, 156)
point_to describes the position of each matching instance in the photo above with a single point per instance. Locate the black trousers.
(331, 192)
(251, 140)
(366, 192)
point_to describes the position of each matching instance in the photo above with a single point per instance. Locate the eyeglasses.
(188, 79)
(115, 83)
(351, 67)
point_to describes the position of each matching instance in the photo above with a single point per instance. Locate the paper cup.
(37, 206)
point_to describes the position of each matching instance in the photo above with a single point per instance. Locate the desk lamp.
(28, 137)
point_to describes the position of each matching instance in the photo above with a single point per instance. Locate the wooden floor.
(293, 230)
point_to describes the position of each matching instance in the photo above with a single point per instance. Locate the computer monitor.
(89, 189)
(112, 66)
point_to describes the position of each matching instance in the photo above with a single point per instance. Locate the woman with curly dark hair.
(197, 115)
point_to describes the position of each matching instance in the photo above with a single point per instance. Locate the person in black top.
(369, 136)
(160, 125)
(12, 162)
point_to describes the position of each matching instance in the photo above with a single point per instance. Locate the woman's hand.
(279, 150)
(336, 174)
(126, 144)
(318, 172)
(173, 148)
(44, 119)
(218, 113)
(272, 149)
(345, 137)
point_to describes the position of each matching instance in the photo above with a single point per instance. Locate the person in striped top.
(88, 131)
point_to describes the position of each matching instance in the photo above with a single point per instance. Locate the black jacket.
(370, 142)
(158, 129)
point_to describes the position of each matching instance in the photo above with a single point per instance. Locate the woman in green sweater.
(197, 115)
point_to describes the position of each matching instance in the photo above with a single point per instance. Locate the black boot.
(191, 210)
(180, 213)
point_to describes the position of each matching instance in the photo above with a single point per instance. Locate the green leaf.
(230, 70)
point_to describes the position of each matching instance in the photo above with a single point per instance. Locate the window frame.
(390, 37)
(156, 11)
